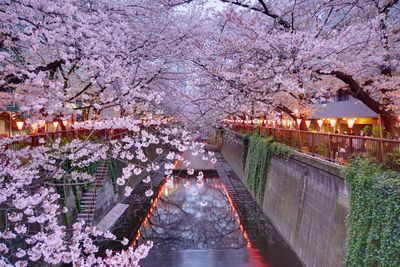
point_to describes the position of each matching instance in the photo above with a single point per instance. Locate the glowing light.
(34, 127)
(55, 124)
(298, 120)
(320, 122)
(332, 122)
(350, 123)
(308, 123)
(41, 123)
(20, 125)
(65, 123)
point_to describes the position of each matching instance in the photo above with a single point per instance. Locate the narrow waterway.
(196, 224)
(213, 223)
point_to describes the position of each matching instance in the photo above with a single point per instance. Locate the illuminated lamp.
(298, 120)
(350, 123)
(55, 124)
(320, 122)
(290, 123)
(308, 123)
(332, 122)
(20, 125)
(41, 123)
(65, 123)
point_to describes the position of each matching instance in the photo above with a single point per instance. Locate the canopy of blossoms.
(150, 61)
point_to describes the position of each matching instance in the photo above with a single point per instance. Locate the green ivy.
(373, 224)
(259, 157)
(112, 171)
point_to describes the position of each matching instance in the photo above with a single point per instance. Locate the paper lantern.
(332, 122)
(350, 123)
(20, 125)
(41, 123)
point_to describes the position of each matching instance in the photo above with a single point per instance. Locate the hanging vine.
(373, 224)
(112, 171)
(259, 157)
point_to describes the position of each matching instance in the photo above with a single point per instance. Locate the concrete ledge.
(112, 217)
(319, 163)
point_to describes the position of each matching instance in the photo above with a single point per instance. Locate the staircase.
(89, 198)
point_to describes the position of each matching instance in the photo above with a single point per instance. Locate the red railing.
(333, 147)
(34, 140)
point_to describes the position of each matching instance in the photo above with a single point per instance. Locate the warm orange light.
(65, 123)
(20, 125)
(41, 123)
(298, 122)
(332, 122)
(308, 123)
(350, 123)
(320, 122)
(34, 127)
(55, 124)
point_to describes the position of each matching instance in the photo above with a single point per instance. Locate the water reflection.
(194, 215)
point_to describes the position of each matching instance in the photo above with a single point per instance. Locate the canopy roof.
(353, 108)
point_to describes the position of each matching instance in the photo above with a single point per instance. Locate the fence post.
(312, 142)
(381, 149)
(329, 147)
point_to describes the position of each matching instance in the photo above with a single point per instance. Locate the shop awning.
(353, 108)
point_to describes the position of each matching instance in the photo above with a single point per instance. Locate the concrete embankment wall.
(307, 201)
(109, 195)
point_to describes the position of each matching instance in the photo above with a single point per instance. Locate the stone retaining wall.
(307, 201)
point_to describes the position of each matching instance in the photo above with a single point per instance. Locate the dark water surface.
(197, 224)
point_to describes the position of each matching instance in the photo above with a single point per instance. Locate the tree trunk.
(387, 116)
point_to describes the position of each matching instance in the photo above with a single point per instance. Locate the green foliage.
(322, 149)
(373, 224)
(392, 159)
(367, 130)
(112, 171)
(259, 157)
(376, 131)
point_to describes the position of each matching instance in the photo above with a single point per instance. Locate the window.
(342, 95)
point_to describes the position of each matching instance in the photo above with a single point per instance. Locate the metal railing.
(337, 148)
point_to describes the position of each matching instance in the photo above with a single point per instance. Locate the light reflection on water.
(194, 215)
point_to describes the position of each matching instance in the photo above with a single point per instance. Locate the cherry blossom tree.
(307, 50)
(58, 58)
